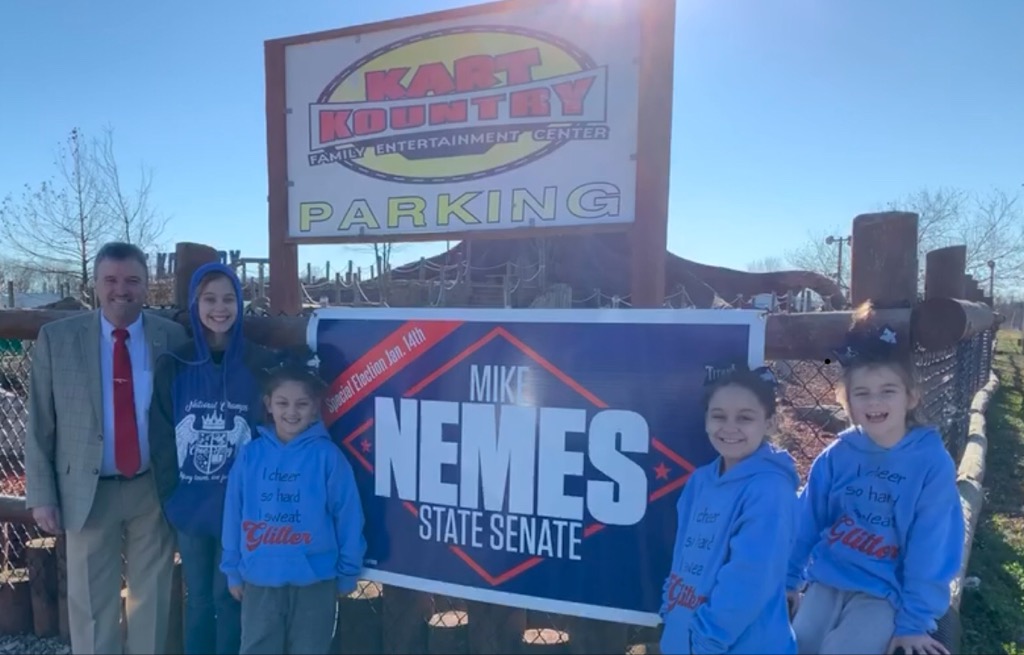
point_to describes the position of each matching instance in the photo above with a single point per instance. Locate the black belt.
(123, 478)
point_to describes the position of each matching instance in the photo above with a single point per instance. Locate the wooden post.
(41, 559)
(176, 627)
(447, 632)
(284, 256)
(649, 231)
(883, 259)
(944, 273)
(15, 602)
(62, 589)
(10, 294)
(494, 629)
(189, 257)
(348, 276)
(359, 628)
(405, 616)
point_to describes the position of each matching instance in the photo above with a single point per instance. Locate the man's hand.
(916, 645)
(236, 592)
(47, 517)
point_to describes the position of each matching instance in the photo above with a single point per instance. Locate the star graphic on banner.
(366, 445)
(661, 471)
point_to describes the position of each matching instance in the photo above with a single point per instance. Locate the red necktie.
(126, 431)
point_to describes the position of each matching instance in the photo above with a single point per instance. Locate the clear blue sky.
(790, 115)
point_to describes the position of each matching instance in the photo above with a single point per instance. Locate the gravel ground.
(32, 645)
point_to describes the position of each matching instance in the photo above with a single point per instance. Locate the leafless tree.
(137, 220)
(818, 255)
(55, 228)
(990, 225)
(766, 265)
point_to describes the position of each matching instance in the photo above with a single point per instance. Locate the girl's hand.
(916, 645)
(237, 593)
(793, 600)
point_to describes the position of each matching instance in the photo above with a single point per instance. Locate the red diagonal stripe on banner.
(375, 367)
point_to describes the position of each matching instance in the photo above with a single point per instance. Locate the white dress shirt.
(142, 377)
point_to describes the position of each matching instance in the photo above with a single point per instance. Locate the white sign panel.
(515, 119)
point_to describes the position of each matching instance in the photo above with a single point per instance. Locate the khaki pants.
(126, 517)
(834, 622)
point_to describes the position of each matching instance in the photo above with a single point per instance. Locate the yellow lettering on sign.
(544, 209)
(313, 212)
(407, 207)
(359, 214)
(594, 200)
(446, 208)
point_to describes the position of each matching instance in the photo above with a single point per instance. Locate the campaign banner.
(530, 458)
(507, 116)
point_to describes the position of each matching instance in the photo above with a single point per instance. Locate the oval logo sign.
(458, 104)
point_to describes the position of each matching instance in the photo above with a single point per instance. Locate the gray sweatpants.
(834, 622)
(292, 620)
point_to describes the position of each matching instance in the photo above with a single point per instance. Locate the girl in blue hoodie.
(881, 524)
(293, 523)
(206, 403)
(726, 592)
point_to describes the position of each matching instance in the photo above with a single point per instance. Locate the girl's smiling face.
(878, 401)
(736, 423)
(218, 305)
(292, 408)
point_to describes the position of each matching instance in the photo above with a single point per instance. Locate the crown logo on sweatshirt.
(213, 421)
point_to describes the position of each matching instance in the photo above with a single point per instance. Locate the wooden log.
(545, 641)
(939, 323)
(971, 478)
(41, 561)
(944, 272)
(187, 258)
(883, 259)
(15, 602)
(816, 335)
(593, 636)
(788, 336)
(495, 629)
(405, 615)
(359, 627)
(12, 511)
(448, 632)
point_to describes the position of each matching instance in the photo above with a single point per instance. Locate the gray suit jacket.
(64, 440)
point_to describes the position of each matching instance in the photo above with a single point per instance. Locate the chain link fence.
(375, 618)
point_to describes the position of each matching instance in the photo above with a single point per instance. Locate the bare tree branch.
(136, 219)
(56, 228)
(766, 265)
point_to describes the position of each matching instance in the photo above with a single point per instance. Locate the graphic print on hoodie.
(726, 592)
(208, 402)
(886, 522)
(292, 515)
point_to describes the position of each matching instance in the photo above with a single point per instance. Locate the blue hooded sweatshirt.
(292, 514)
(726, 592)
(205, 407)
(885, 522)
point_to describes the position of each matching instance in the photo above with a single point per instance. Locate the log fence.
(951, 325)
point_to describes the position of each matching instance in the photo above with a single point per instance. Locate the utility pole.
(839, 241)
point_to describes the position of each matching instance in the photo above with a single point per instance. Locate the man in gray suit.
(87, 458)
